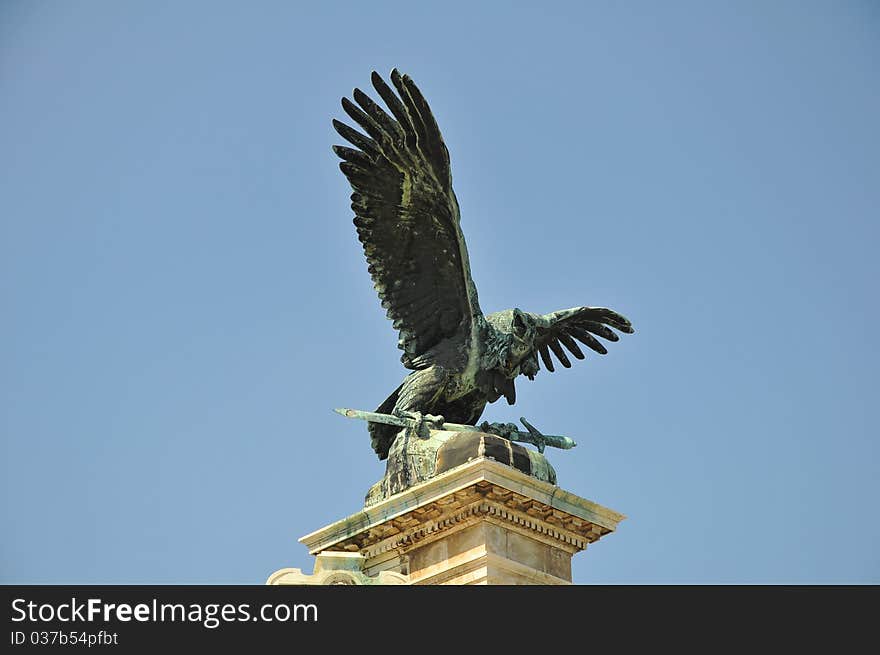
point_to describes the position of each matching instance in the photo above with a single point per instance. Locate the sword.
(533, 436)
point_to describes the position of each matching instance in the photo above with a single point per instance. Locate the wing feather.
(571, 344)
(545, 357)
(559, 352)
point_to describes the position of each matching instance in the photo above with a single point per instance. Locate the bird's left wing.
(568, 326)
(407, 216)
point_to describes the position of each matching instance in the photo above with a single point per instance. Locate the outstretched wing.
(579, 324)
(407, 216)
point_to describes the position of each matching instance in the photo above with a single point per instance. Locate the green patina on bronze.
(507, 430)
(408, 221)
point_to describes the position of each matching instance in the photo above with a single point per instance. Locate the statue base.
(479, 521)
(413, 460)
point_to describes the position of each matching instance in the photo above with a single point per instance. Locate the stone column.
(482, 521)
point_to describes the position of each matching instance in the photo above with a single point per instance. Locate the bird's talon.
(436, 419)
(504, 430)
(424, 423)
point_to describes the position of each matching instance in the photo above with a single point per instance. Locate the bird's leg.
(424, 423)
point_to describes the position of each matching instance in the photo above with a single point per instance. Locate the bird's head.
(519, 329)
(522, 334)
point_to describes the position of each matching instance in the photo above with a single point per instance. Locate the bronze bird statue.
(407, 219)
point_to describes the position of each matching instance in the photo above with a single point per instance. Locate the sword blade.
(374, 417)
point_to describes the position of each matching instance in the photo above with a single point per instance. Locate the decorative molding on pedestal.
(483, 522)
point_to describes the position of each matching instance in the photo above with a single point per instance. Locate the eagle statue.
(407, 219)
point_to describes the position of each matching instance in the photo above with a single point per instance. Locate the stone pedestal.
(481, 522)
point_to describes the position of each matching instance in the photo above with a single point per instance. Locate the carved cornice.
(466, 506)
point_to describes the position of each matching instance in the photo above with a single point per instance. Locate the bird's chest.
(489, 385)
(460, 386)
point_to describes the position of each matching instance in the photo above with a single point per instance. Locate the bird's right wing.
(407, 216)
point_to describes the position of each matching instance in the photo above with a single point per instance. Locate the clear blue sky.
(184, 299)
